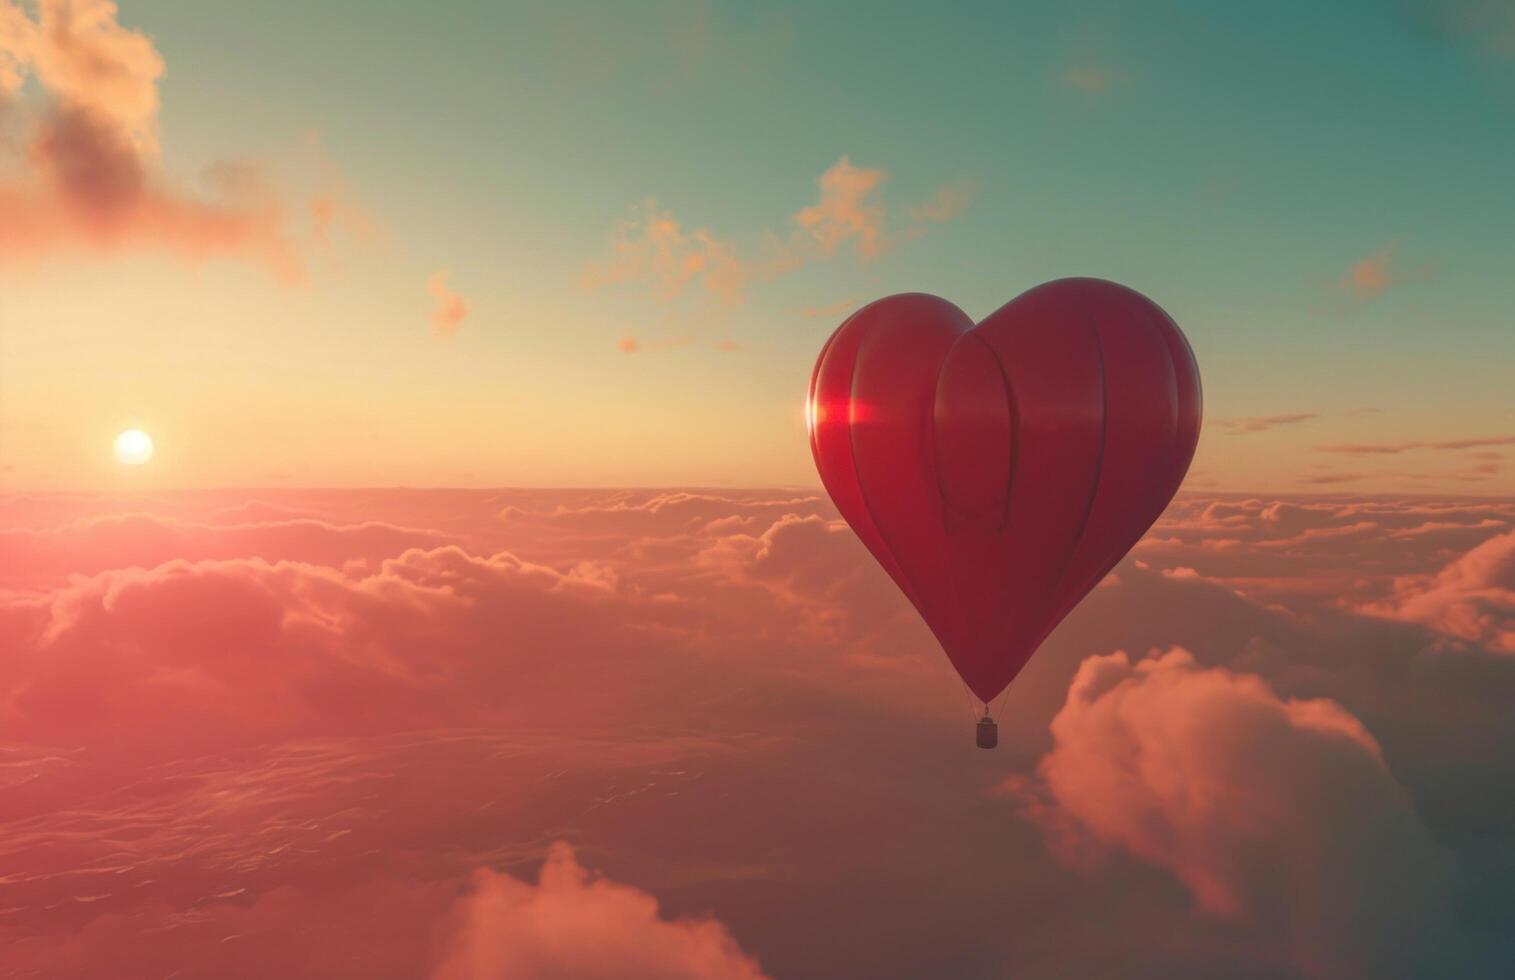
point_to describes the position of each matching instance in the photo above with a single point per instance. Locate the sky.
(600, 245)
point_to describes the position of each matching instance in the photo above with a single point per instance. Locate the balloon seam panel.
(1099, 459)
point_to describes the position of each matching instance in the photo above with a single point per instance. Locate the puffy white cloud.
(571, 925)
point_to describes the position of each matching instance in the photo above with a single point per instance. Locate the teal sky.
(1231, 160)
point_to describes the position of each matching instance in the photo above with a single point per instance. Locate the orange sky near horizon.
(281, 294)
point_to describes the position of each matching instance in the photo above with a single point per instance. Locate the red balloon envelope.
(999, 471)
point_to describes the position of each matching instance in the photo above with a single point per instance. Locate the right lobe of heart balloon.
(999, 471)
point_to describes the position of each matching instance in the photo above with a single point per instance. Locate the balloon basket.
(988, 733)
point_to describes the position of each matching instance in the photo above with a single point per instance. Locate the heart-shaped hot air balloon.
(999, 471)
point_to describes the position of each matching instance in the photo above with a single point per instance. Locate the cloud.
(88, 178)
(1275, 812)
(1266, 422)
(1377, 273)
(654, 249)
(331, 210)
(1394, 448)
(1327, 479)
(945, 204)
(630, 344)
(831, 310)
(847, 211)
(1473, 597)
(223, 652)
(451, 309)
(17, 34)
(86, 59)
(1490, 24)
(669, 512)
(572, 924)
(46, 557)
(1091, 79)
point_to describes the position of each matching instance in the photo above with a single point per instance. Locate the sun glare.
(134, 447)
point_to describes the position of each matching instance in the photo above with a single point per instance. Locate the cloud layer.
(321, 733)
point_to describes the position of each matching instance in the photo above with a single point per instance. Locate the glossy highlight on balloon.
(998, 471)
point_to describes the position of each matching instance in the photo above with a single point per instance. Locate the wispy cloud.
(831, 309)
(1325, 479)
(631, 344)
(654, 249)
(847, 210)
(1488, 25)
(1265, 422)
(1091, 79)
(451, 309)
(1394, 448)
(946, 203)
(1373, 275)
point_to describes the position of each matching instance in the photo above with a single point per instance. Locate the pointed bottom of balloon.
(988, 733)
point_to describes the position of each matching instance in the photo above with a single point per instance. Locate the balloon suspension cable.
(999, 702)
(968, 693)
(973, 701)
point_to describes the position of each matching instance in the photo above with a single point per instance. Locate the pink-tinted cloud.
(1272, 811)
(451, 309)
(675, 511)
(1329, 479)
(332, 209)
(847, 211)
(654, 249)
(227, 651)
(1375, 274)
(1489, 24)
(573, 924)
(87, 176)
(1265, 422)
(1473, 597)
(86, 59)
(43, 557)
(16, 39)
(1091, 79)
(945, 204)
(831, 310)
(631, 344)
(1395, 448)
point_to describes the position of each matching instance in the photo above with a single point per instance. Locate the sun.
(134, 447)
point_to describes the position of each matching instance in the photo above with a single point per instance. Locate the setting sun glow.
(133, 447)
